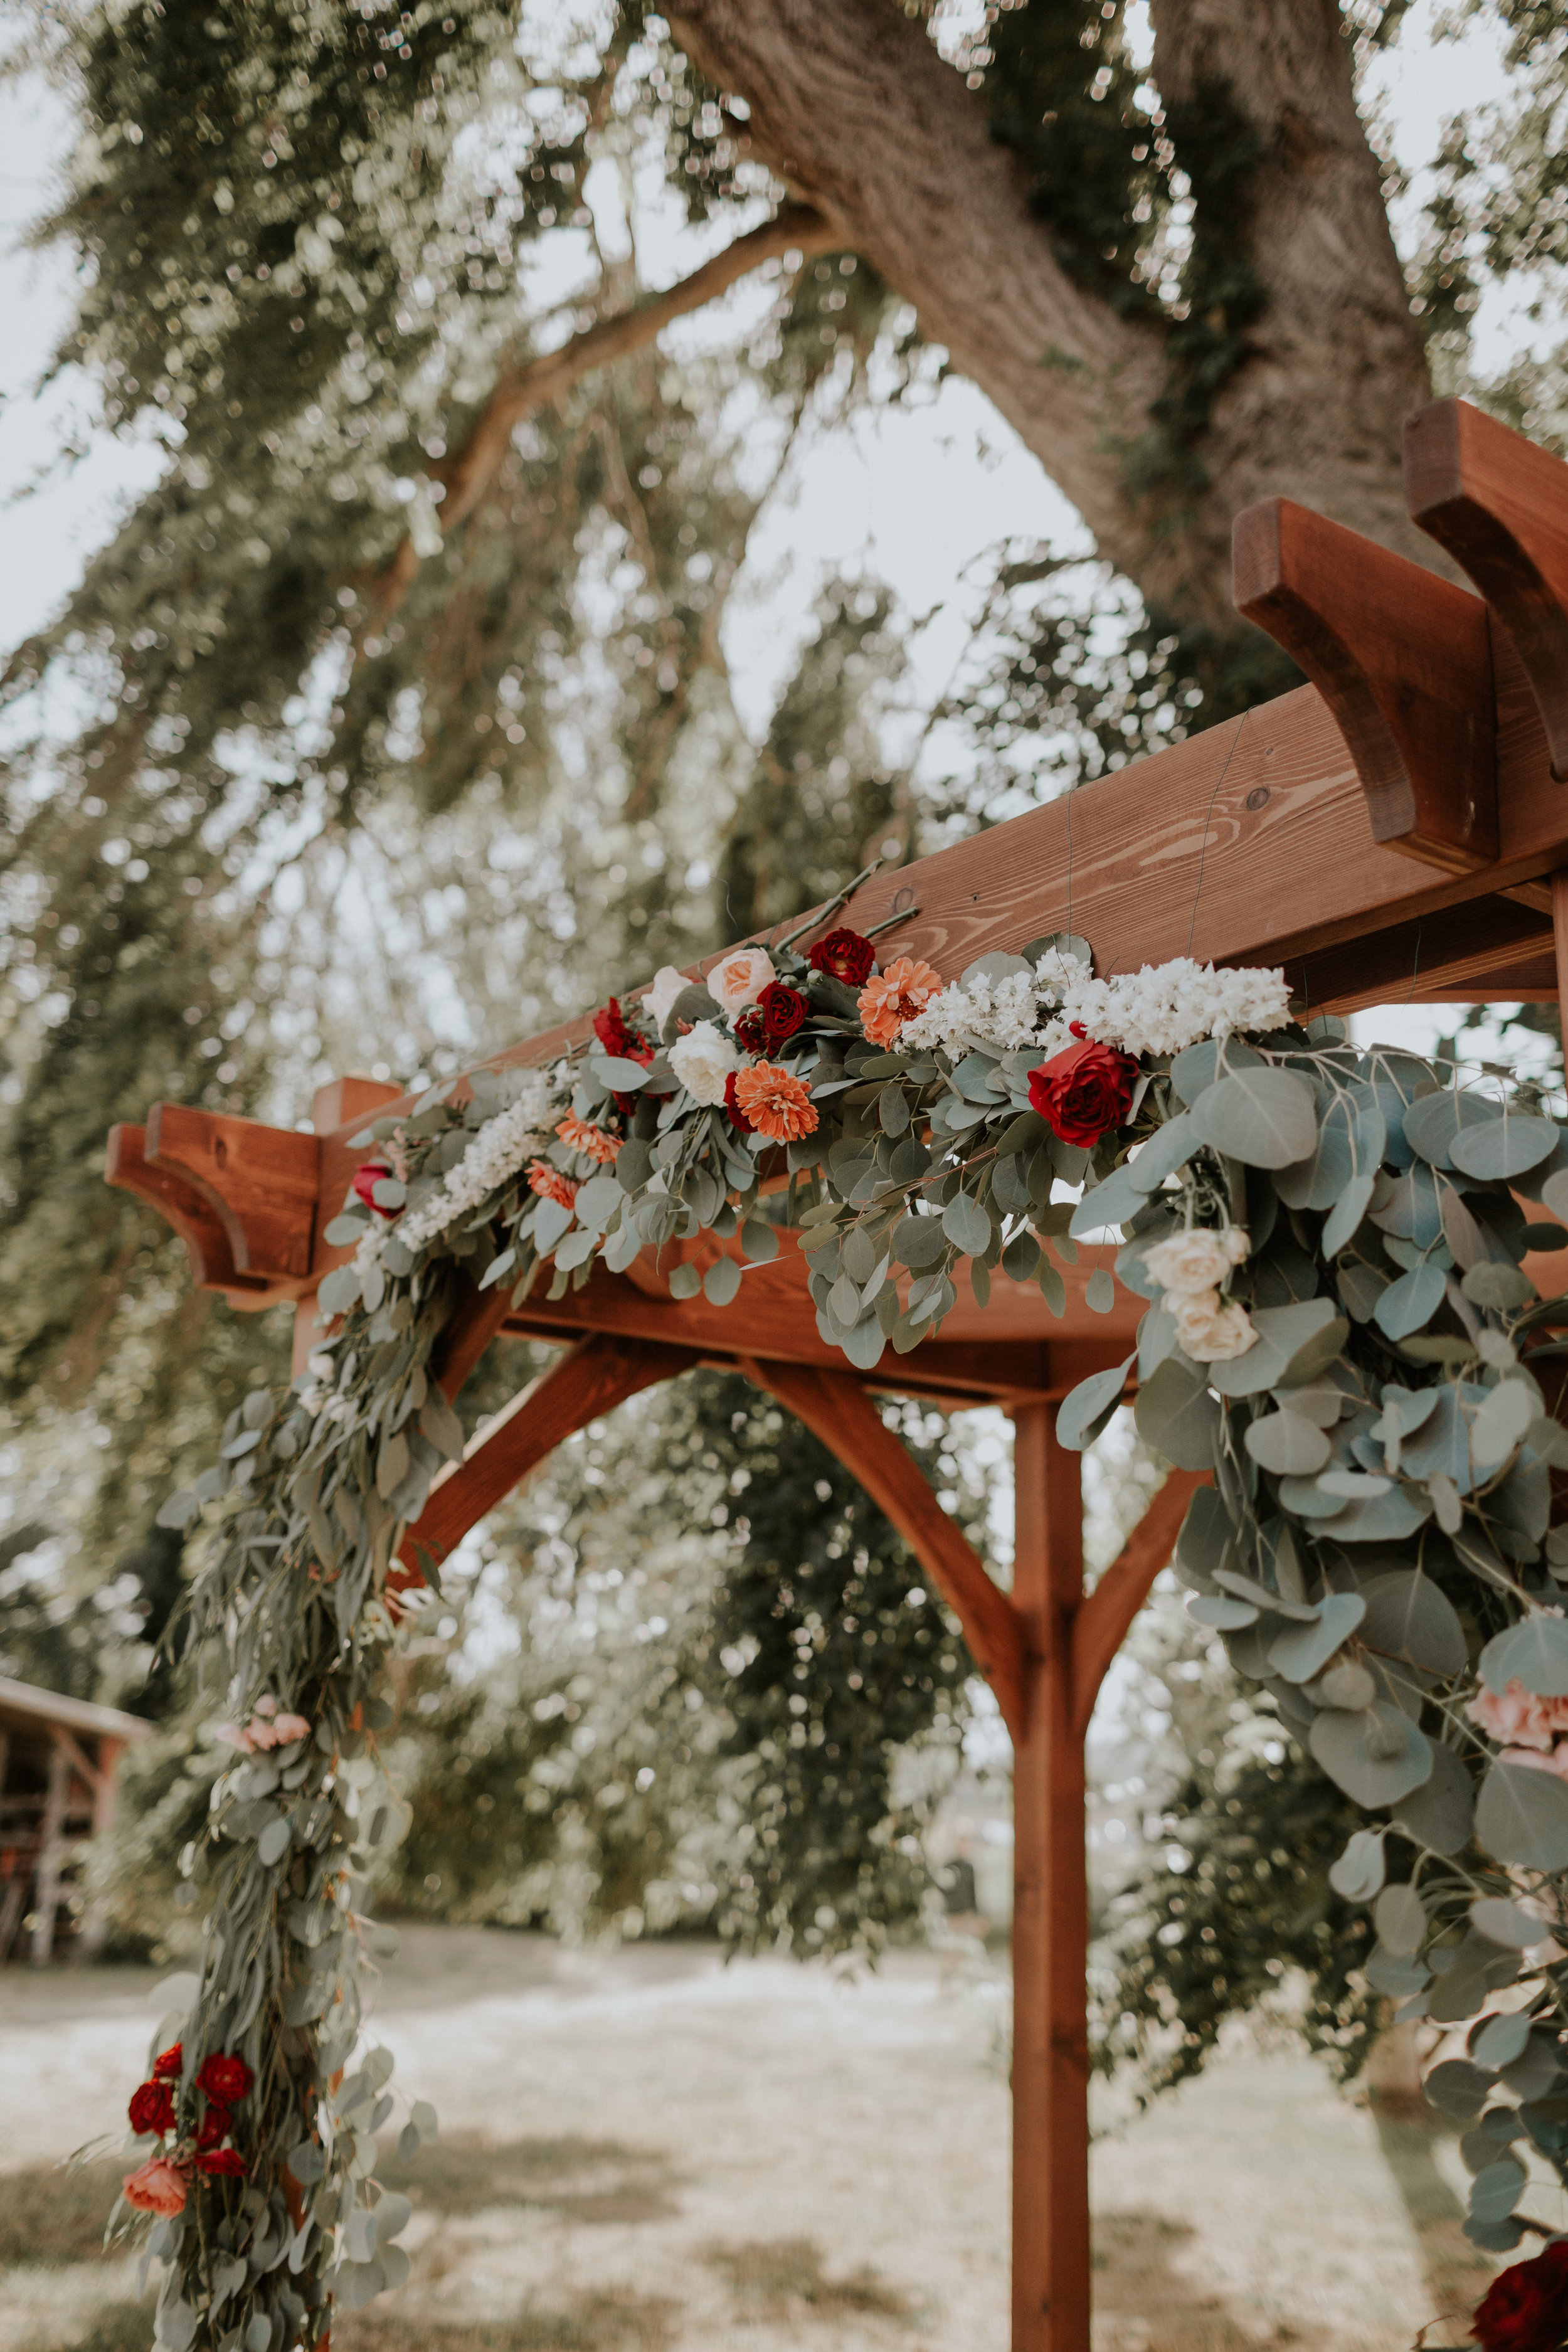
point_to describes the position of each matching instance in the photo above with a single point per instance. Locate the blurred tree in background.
(394, 721)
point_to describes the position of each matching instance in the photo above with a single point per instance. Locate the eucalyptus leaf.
(1358, 1872)
(1432, 1123)
(1410, 1302)
(1522, 1817)
(1534, 1652)
(1438, 1813)
(1400, 1917)
(1302, 1651)
(1377, 1755)
(966, 1225)
(1285, 1442)
(1175, 1414)
(1085, 1409)
(1115, 1203)
(1265, 1118)
(1505, 1923)
(1344, 1220)
(722, 1282)
(1504, 1146)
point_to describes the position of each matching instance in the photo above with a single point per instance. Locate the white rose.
(1188, 1262)
(1210, 1329)
(702, 1060)
(738, 980)
(1238, 1244)
(667, 985)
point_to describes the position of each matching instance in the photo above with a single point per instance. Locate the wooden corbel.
(260, 1182)
(1404, 661)
(180, 1204)
(1499, 506)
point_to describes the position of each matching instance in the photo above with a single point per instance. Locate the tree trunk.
(854, 107)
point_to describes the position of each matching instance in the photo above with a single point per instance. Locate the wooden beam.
(181, 1206)
(1104, 1617)
(260, 1181)
(1560, 914)
(1404, 661)
(1459, 949)
(836, 1408)
(1499, 505)
(590, 1379)
(1050, 1909)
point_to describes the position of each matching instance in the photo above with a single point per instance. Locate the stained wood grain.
(1403, 660)
(836, 1409)
(260, 1181)
(591, 1379)
(1499, 505)
(181, 1206)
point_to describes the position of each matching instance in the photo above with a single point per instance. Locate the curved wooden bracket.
(260, 1182)
(1102, 1619)
(1499, 506)
(588, 1379)
(1404, 661)
(837, 1408)
(179, 1202)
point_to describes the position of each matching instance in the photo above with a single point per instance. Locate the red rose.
(152, 2108)
(737, 1116)
(216, 2126)
(783, 1010)
(844, 955)
(618, 1041)
(167, 2065)
(366, 1178)
(222, 2160)
(1525, 2309)
(224, 2079)
(751, 1027)
(1082, 1094)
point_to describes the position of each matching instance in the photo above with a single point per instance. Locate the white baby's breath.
(1156, 1011)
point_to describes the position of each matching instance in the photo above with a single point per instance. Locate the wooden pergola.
(1395, 829)
(57, 1760)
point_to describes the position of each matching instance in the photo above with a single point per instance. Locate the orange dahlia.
(896, 997)
(776, 1102)
(582, 1135)
(550, 1183)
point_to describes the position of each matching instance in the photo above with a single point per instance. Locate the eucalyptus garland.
(1340, 1326)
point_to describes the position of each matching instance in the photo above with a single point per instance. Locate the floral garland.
(1339, 1326)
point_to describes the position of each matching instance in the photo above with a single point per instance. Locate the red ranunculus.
(625, 1045)
(152, 2108)
(1082, 1094)
(737, 1116)
(167, 2065)
(844, 955)
(1525, 2309)
(782, 1009)
(222, 2160)
(366, 1178)
(751, 1028)
(214, 2126)
(224, 2079)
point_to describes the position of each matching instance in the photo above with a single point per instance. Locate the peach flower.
(582, 1135)
(550, 1184)
(777, 1103)
(895, 996)
(1518, 1717)
(156, 2187)
(1530, 1760)
(738, 980)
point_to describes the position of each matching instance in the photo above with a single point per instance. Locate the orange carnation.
(896, 997)
(776, 1102)
(550, 1183)
(582, 1135)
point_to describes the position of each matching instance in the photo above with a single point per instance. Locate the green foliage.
(1191, 1947)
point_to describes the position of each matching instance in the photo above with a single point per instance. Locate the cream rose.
(666, 986)
(702, 1060)
(1210, 1329)
(1188, 1264)
(740, 979)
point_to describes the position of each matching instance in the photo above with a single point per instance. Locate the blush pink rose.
(156, 2187)
(1531, 1759)
(1518, 1716)
(738, 980)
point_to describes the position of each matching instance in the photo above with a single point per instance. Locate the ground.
(651, 2152)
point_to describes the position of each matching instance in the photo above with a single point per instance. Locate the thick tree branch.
(521, 391)
(854, 108)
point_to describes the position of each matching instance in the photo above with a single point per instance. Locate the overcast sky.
(912, 496)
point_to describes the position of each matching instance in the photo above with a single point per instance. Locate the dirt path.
(653, 2153)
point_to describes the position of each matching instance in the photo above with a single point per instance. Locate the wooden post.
(51, 1854)
(1050, 1909)
(1560, 933)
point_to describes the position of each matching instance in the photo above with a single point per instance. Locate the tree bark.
(854, 107)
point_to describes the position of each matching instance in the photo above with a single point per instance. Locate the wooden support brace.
(189, 1212)
(1104, 1617)
(1404, 661)
(588, 1379)
(259, 1181)
(837, 1408)
(1499, 506)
